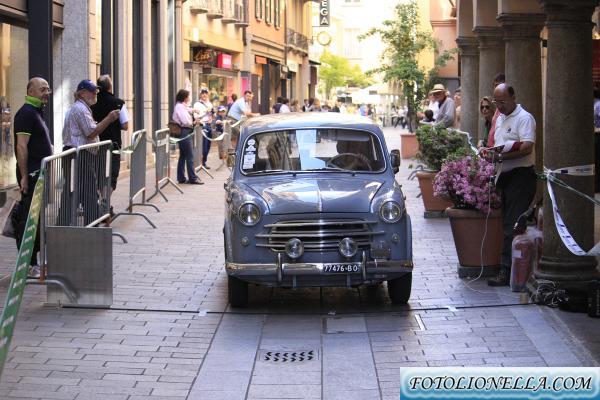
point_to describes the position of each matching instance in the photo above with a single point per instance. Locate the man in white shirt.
(445, 113)
(242, 107)
(514, 140)
(203, 112)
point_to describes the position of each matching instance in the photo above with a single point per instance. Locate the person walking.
(32, 138)
(515, 132)
(107, 102)
(445, 114)
(182, 115)
(203, 112)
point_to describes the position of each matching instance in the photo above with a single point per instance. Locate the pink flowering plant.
(468, 183)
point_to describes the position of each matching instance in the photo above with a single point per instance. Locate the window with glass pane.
(277, 12)
(258, 9)
(312, 150)
(268, 11)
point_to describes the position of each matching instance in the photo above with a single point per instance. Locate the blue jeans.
(186, 158)
(206, 143)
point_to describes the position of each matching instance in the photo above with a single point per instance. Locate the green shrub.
(436, 144)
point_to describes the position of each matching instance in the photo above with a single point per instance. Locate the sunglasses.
(484, 107)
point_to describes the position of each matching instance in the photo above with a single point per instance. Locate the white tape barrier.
(563, 232)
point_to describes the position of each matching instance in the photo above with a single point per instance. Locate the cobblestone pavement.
(172, 336)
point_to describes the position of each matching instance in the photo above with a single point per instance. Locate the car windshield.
(312, 150)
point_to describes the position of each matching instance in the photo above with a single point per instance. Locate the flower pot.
(432, 203)
(408, 145)
(468, 230)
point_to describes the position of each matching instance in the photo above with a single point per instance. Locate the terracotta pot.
(468, 229)
(431, 202)
(408, 145)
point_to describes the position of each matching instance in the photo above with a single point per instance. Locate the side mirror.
(231, 158)
(395, 158)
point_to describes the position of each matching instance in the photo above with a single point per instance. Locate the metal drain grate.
(289, 356)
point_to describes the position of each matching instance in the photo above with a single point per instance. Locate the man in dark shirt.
(106, 103)
(33, 143)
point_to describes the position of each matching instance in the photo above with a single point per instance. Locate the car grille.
(317, 235)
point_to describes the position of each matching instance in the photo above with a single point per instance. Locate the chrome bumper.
(280, 269)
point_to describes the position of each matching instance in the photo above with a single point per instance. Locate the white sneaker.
(34, 271)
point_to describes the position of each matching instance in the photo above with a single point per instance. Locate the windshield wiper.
(269, 171)
(337, 169)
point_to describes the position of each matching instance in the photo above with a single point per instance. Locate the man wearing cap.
(79, 127)
(203, 112)
(445, 116)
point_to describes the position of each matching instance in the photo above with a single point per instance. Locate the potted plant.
(436, 144)
(475, 217)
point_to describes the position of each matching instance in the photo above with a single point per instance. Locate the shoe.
(196, 182)
(181, 182)
(34, 271)
(206, 166)
(112, 212)
(502, 279)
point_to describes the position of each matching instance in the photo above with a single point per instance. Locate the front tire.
(399, 289)
(237, 291)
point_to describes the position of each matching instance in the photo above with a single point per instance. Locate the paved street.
(171, 334)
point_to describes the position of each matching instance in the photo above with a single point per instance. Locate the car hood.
(346, 194)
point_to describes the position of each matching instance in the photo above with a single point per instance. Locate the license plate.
(342, 268)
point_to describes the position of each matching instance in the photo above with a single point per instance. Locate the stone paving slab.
(156, 345)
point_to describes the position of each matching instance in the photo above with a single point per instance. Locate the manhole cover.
(289, 356)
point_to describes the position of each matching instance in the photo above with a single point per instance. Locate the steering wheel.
(356, 160)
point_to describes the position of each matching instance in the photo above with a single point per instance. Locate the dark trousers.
(518, 188)
(597, 176)
(26, 199)
(186, 158)
(115, 168)
(206, 143)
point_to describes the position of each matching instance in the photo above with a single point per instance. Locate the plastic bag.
(12, 219)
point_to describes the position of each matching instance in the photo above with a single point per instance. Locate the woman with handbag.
(182, 115)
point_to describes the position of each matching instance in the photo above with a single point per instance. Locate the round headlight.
(294, 248)
(348, 247)
(390, 212)
(249, 214)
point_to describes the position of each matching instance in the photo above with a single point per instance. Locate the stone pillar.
(469, 83)
(491, 61)
(523, 67)
(178, 71)
(569, 137)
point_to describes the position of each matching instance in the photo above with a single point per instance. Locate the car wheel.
(237, 291)
(399, 289)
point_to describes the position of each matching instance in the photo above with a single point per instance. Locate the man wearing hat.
(79, 127)
(445, 116)
(203, 111)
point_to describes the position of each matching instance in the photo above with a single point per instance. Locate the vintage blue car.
(312, 201)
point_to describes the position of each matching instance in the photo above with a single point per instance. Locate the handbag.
(174, 129)
(12, 219)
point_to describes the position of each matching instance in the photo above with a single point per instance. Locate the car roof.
(300, 120)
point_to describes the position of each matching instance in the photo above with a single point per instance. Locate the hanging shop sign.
(224, 61)
(324, 12)
(204, 56)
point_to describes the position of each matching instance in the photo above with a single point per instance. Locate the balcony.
(215, 9)
(199, 6)
(241, 13)
(229, 11)
(296, 41)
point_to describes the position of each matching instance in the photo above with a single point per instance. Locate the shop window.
(14, 70)
(258, 9)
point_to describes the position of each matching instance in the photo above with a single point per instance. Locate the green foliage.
(437, 144)
(404, 42)
(336, 71)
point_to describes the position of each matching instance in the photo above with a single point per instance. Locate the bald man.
(514, 138)
(33, 143)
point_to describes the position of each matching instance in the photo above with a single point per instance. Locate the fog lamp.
(348, 247)
(294, 248)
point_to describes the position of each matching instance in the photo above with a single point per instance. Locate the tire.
(237, 291)
(399, 289)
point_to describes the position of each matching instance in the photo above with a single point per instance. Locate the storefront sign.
(324, 12)
(260, 60)
(224, 61)
(204, 56)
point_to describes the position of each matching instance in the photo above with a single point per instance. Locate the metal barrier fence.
(162, 163)
(198, 147)
(93, 167)
(137, 175)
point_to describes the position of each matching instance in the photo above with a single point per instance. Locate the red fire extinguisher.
(526, 250)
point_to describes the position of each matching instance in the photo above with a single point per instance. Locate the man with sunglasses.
(514, 141)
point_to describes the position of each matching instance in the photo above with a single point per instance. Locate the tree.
(336, 71)
(404, 42)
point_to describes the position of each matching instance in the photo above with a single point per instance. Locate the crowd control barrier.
(198, 145)
(137, 176)
(162, 163)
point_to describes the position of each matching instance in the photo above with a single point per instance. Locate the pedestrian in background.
(487, 111)
(203, 115)
(107, 102)
(294, 106)
(498, 79)
(182, 115)
(284, 108)
(242, 108)
(446, 108)
(515, 132)
(457, 109)
(277, 105)
(233, 99)
(33, 143)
